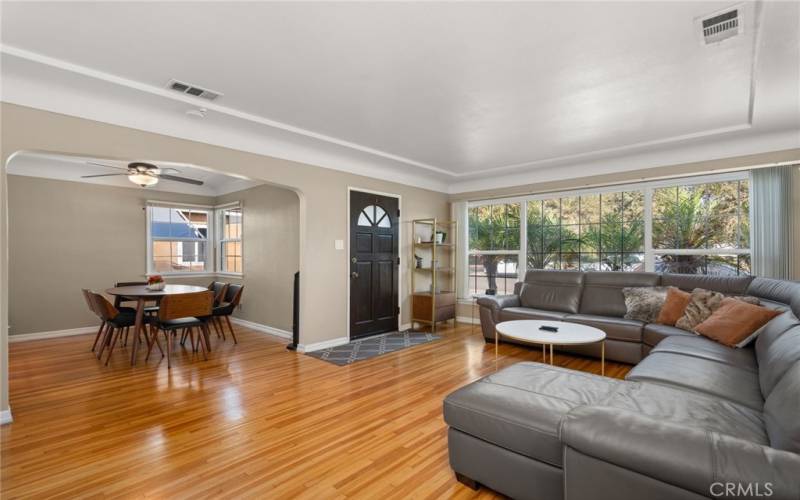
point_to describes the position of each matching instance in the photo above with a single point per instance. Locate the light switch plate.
(338, 244)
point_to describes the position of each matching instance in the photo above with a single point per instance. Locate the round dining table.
(141, 294)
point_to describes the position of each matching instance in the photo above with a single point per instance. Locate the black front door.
(374, 263)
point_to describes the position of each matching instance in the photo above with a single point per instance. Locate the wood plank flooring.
(255, 420)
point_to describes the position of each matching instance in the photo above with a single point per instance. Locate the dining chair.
(148, 310)
(115, 321)
(187, 312)
(233, 295)
(87, 296)
(219, 288)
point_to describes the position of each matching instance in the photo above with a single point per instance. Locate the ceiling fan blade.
(99, 175)
(180, 179)
(104, 165)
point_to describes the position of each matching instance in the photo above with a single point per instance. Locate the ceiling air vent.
(721, 26)
(185, 88)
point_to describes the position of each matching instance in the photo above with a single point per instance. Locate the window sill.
(207, 274)
(184, 275)
(229, 275)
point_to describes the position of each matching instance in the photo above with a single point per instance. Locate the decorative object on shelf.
(433, 297)
(155, 282)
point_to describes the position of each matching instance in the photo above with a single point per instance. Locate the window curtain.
(459, 214)
(771, 217)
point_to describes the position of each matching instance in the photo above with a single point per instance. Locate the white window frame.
(647, 188)
(213, 264)
(221, 240)
(209, 267)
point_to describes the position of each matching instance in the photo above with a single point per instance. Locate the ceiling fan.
(144, 174)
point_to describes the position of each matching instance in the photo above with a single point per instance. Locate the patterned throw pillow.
(644, 303)
(702, 305)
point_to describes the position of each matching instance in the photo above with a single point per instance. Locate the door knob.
(354, 275)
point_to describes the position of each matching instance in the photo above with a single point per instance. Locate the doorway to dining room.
(85, 222)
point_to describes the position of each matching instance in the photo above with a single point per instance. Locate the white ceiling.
(71, 168)
(451, 96)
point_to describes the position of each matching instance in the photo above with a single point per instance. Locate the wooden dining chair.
(233, 295)
(219, 288)
(118, 301)
(115, 322)
(87, 296)
(188, 313)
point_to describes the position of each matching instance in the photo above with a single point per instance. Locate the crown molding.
(38, 81)
(46, 83)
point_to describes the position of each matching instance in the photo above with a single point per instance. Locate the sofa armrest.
(690, 458)
(497, 302)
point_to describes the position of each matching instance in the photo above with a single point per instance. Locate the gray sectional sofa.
(693, 419)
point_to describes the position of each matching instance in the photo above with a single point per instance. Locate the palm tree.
(494, 227)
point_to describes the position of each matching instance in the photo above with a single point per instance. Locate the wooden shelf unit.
(437, 302)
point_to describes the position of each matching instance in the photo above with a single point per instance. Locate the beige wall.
(323, 198)
(271, 253)
(64, 236)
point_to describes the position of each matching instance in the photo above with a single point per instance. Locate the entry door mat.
(373, 346)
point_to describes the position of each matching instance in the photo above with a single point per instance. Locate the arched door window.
(373, 215)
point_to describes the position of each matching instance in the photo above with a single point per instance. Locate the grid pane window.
(230, 247)
(494, 240)
(600, 232)
(695, 226)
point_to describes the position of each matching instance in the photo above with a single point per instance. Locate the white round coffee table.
(529, 330)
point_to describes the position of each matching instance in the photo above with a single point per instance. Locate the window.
(373, 215)
(702, 228)
(695, 225)
(494, 246)
(178, 239)
(185, 239)
(592, 232)
(230, 243)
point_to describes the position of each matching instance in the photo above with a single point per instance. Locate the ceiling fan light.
(143, 180)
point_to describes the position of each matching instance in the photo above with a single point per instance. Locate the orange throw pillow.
(674, 306)
(734, 321)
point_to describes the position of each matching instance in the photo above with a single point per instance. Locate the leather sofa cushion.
(701, 347)
(629, 330)
(520, 408)
(776, 353)
(654, 333)
(729, 285)
(782, 412)
(517, 313)
(775, 290)
(689, 409)
(602, 292)
(552, 290)
(709, 377)
(735, 321)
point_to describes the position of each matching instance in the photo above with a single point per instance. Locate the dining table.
(142, 294)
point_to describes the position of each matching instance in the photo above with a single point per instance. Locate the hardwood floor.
(255, 420)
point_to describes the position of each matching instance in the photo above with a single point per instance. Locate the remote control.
(548, 328)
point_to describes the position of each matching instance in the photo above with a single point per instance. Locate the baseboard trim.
(325, 344)
(262, 328)
(5, 417)
(24, 337)
(405, 327)
(468, 320)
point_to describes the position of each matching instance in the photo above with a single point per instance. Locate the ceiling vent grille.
(721, 26)
(194, 90)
